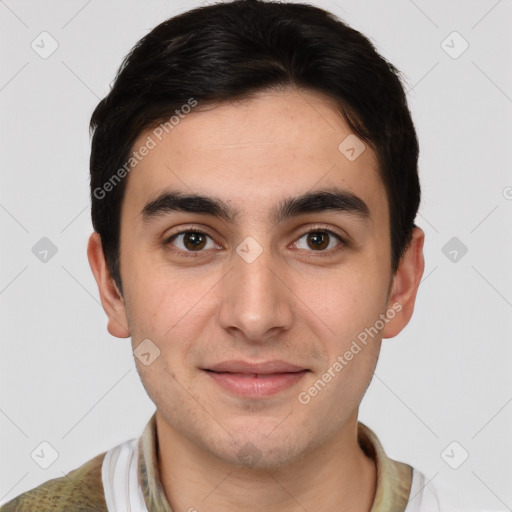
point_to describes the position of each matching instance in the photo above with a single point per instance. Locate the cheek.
(172, 312)
(333, 395)
(158, 297)
(343, 302)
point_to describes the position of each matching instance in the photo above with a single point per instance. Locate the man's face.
(256, 290)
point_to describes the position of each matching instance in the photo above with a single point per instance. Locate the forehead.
(254, 151)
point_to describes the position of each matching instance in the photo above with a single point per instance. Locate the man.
(254, 188)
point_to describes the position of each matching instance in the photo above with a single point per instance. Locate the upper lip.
(266, 367)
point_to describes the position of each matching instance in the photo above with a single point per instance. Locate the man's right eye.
(190, 241)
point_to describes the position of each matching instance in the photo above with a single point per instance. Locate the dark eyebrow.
(334, 199)
(311, 202)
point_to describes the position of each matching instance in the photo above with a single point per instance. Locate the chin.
(261, 446)
(262, 456)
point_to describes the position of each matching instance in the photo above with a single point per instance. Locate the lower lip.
(260, 386)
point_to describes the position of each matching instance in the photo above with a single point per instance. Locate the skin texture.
(215, 306)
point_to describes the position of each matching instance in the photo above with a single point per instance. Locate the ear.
(405, 285)
(111, 299)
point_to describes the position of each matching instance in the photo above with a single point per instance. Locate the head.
(254, 188)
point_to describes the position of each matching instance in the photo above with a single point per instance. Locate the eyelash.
(321, 253)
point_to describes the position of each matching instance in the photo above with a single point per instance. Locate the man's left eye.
(319, 240)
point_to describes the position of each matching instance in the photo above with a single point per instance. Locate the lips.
(255, 380)
(265, 368)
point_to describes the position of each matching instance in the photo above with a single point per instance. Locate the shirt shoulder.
(424, 496)
(80, 490)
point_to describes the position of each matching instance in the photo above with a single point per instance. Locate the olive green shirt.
(127, 478)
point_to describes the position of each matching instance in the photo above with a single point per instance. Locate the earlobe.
(405, 285)
(111, 299)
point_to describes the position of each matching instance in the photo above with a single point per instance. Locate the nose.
(256, 299)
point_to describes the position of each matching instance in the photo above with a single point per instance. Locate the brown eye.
(319, 240)
(191, 241)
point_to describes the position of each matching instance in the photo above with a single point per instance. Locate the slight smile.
(252, 380)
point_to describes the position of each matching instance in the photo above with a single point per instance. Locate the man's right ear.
(111, 299)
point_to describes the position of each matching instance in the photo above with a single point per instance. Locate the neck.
(336, 477)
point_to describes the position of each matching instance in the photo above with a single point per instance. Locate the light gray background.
(447, 377)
